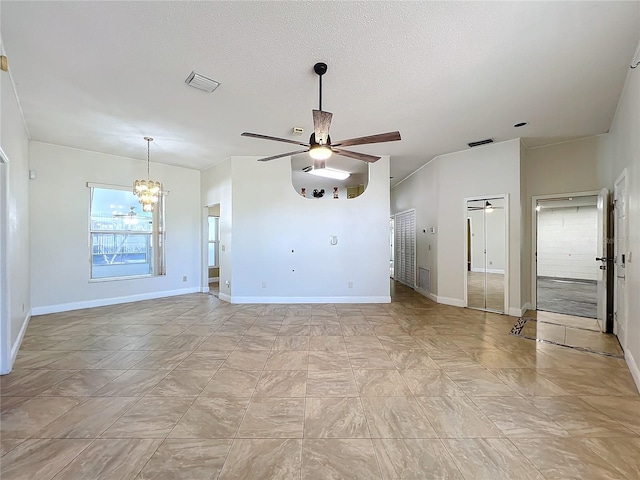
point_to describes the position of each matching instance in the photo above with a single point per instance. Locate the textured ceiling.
(101, 75)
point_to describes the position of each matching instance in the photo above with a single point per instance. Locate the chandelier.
(147, 190)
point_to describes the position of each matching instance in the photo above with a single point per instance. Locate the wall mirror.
(349, 178)
(486, 253)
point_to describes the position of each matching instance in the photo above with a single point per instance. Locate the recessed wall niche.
(311, 186)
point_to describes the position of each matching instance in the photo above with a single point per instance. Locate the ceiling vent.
(201, 82)
(480, 142)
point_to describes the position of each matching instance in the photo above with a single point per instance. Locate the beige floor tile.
(430, 383)
(396, 417)
(579, 459)
(29, 383)
(413, 359)
(415, 459)
(6, 445)
(34, 359)
(84, 382)
(182, 383)
(27, 418)
(517, 417)
(149, 418)
(457, 417)
(331, 383)
(132, 383)
(337, 459)
(579, 418)
(478, 382)
(89, 419)
(189, 459)
(376, 383)
(210, 360)
(228, 382)
(339, 417)
(211, 418)
(247, 359)
(291, 342)
(528, 382)
(491, 459)
(583, 381)
(273, 418)
(122, 360)
(78, 360)
(371, 359)
(281, 383)
(287, 360)
(259, 459)
(326, 343)
(332, 329)
(161, 360)
(321, 361)
(110, 459)
(40, 459)
(625, 410)
(219, 342)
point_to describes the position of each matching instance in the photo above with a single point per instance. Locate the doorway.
(569, 232)
(486, 253)
(620, 256)
(212, 257)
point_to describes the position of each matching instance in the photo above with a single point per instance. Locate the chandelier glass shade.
(147, 191)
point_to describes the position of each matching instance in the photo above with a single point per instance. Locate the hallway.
(194, 388)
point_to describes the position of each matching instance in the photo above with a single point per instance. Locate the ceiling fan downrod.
(320, 69)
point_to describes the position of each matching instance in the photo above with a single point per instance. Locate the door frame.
(534, 235)
(507, 267)
(5, 321)
(623, 177)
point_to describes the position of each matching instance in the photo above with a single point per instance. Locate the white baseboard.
(102, 302)
(633, 368)
(224, 297)
(289, 300)
(454, 302)
(429, 295)
(205, 290)
(519, 312)
(488, 270)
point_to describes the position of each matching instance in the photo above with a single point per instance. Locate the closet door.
(405, 248)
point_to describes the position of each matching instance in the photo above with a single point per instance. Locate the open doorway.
(213, 249)
(567, 247)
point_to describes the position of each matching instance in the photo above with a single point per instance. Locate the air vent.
(480, 142)
(201, 82)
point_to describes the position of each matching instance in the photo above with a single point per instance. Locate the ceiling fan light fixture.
(319, 152)
(488, 207)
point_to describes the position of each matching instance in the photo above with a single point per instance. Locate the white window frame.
(157, 237)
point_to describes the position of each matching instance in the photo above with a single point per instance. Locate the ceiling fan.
(320, 147)
(488, 207)
(130, 214)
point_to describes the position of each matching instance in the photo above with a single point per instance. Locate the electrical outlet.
(350, 284)
(264, 284)
(184, 278)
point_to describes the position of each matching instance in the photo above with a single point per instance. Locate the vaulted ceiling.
(101, 75)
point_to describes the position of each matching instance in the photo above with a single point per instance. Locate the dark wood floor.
(564, 295)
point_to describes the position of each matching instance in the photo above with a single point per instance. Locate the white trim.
(488, 270)
(633, 368)
(5, 320)
(101, 302)
(456, 302)
(424, 293)
(18, 342)
(205, 290)
(534, 234)
(289, 300)
(224, 297)
(517, 312)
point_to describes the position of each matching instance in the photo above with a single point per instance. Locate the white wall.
(420, 191)
(568, 243)
(59, 207)
(621, 150)
(485, 171)
(270, 220)
(215, 184)
(15, 145)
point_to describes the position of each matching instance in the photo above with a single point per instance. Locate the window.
(124, 240)
(214, 241)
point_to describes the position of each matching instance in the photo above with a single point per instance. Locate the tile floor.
(193, 388)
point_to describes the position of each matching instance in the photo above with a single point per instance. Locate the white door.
(405, 248)
(603, 243)
(621, 239)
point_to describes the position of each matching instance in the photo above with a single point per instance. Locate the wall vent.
(480, 142)
(201, 82)
(424, 279)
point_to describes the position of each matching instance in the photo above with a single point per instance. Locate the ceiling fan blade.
(358, 156)
(282, 155)
(276, 139)
(321, 124)
(381, 137)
